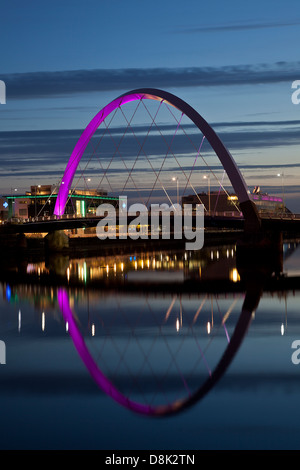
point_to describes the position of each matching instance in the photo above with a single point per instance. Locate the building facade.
(222, 203)
(40, 202)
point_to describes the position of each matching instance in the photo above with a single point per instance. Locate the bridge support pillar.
(252, 220)
(262, 252)
(258, 250)
(57, 241)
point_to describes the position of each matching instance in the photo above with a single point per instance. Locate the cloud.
(239, 27)
(37, 143)
(40, 153)
(49, 84)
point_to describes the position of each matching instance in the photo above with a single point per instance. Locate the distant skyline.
(62, 61)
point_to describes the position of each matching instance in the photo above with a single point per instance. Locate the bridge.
(248, 219)
(268, 222)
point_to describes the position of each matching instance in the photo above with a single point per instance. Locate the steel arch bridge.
(247, 206)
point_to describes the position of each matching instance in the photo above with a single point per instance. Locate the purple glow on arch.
(224, 156)
(81, 146)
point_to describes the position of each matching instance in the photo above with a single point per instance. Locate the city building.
(40, 202)
(222, 203)
(3, 209)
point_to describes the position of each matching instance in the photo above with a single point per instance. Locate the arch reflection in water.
(231, 347)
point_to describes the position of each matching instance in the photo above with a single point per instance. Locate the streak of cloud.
(47, 152)
(240, 27)
(49, 84)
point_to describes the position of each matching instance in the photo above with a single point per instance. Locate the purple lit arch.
(247, 206)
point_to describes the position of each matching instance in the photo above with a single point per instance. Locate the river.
(150, 350)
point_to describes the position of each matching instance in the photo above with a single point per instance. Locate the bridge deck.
(284, 223)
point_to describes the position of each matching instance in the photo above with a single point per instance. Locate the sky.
(234, 62)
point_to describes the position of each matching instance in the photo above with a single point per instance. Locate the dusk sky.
(233, 61)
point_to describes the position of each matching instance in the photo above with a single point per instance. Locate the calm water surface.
(116, 354)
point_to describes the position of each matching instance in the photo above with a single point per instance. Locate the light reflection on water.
(163, 266)
(157, 349)
(168, 266)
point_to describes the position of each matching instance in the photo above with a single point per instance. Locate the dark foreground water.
(106, 360)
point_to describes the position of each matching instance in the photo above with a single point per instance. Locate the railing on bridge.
(225, 214)
(279, 216)
(44, 218)
(93, 216)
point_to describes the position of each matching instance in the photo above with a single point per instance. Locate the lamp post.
(282, 183)
(177, 184)
(11, 208)
(208, 181)
(37, 191)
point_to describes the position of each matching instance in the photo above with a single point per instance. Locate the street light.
(282, 182)
(208, 178)
(176, 179)
(37, 191)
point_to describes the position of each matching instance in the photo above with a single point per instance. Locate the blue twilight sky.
(233, 61)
